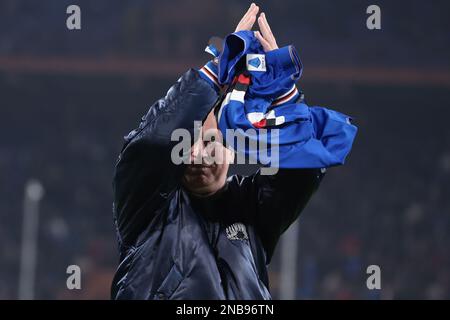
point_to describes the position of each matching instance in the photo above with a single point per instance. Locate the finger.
(250, 9)
(265, 28)
(269, 36)
(247, 22)
(266, 45)
(251, 18)
(247, 14)
(266, 32)
(266, 22)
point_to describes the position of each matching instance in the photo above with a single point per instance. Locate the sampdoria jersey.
(263, 107)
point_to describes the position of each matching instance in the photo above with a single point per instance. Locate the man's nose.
(198, 152)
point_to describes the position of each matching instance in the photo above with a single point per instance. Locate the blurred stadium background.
(68, 97)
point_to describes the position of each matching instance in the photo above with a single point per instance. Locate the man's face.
(209, 159)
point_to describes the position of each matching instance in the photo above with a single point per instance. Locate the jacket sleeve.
(279, 199)
(144, 173)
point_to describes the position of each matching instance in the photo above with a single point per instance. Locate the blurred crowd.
(388, 206)
(325, 31)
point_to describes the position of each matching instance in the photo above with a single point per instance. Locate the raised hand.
(248, 19)
(267, 38)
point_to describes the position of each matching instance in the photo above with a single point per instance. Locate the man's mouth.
(198, 167)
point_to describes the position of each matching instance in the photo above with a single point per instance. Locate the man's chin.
(198, 181)
(199, 184)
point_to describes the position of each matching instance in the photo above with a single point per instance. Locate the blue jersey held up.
(264, 106)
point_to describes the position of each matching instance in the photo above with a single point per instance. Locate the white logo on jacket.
(256, 62)
(237, 231)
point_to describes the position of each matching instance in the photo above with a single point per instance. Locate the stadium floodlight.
(34, 191)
